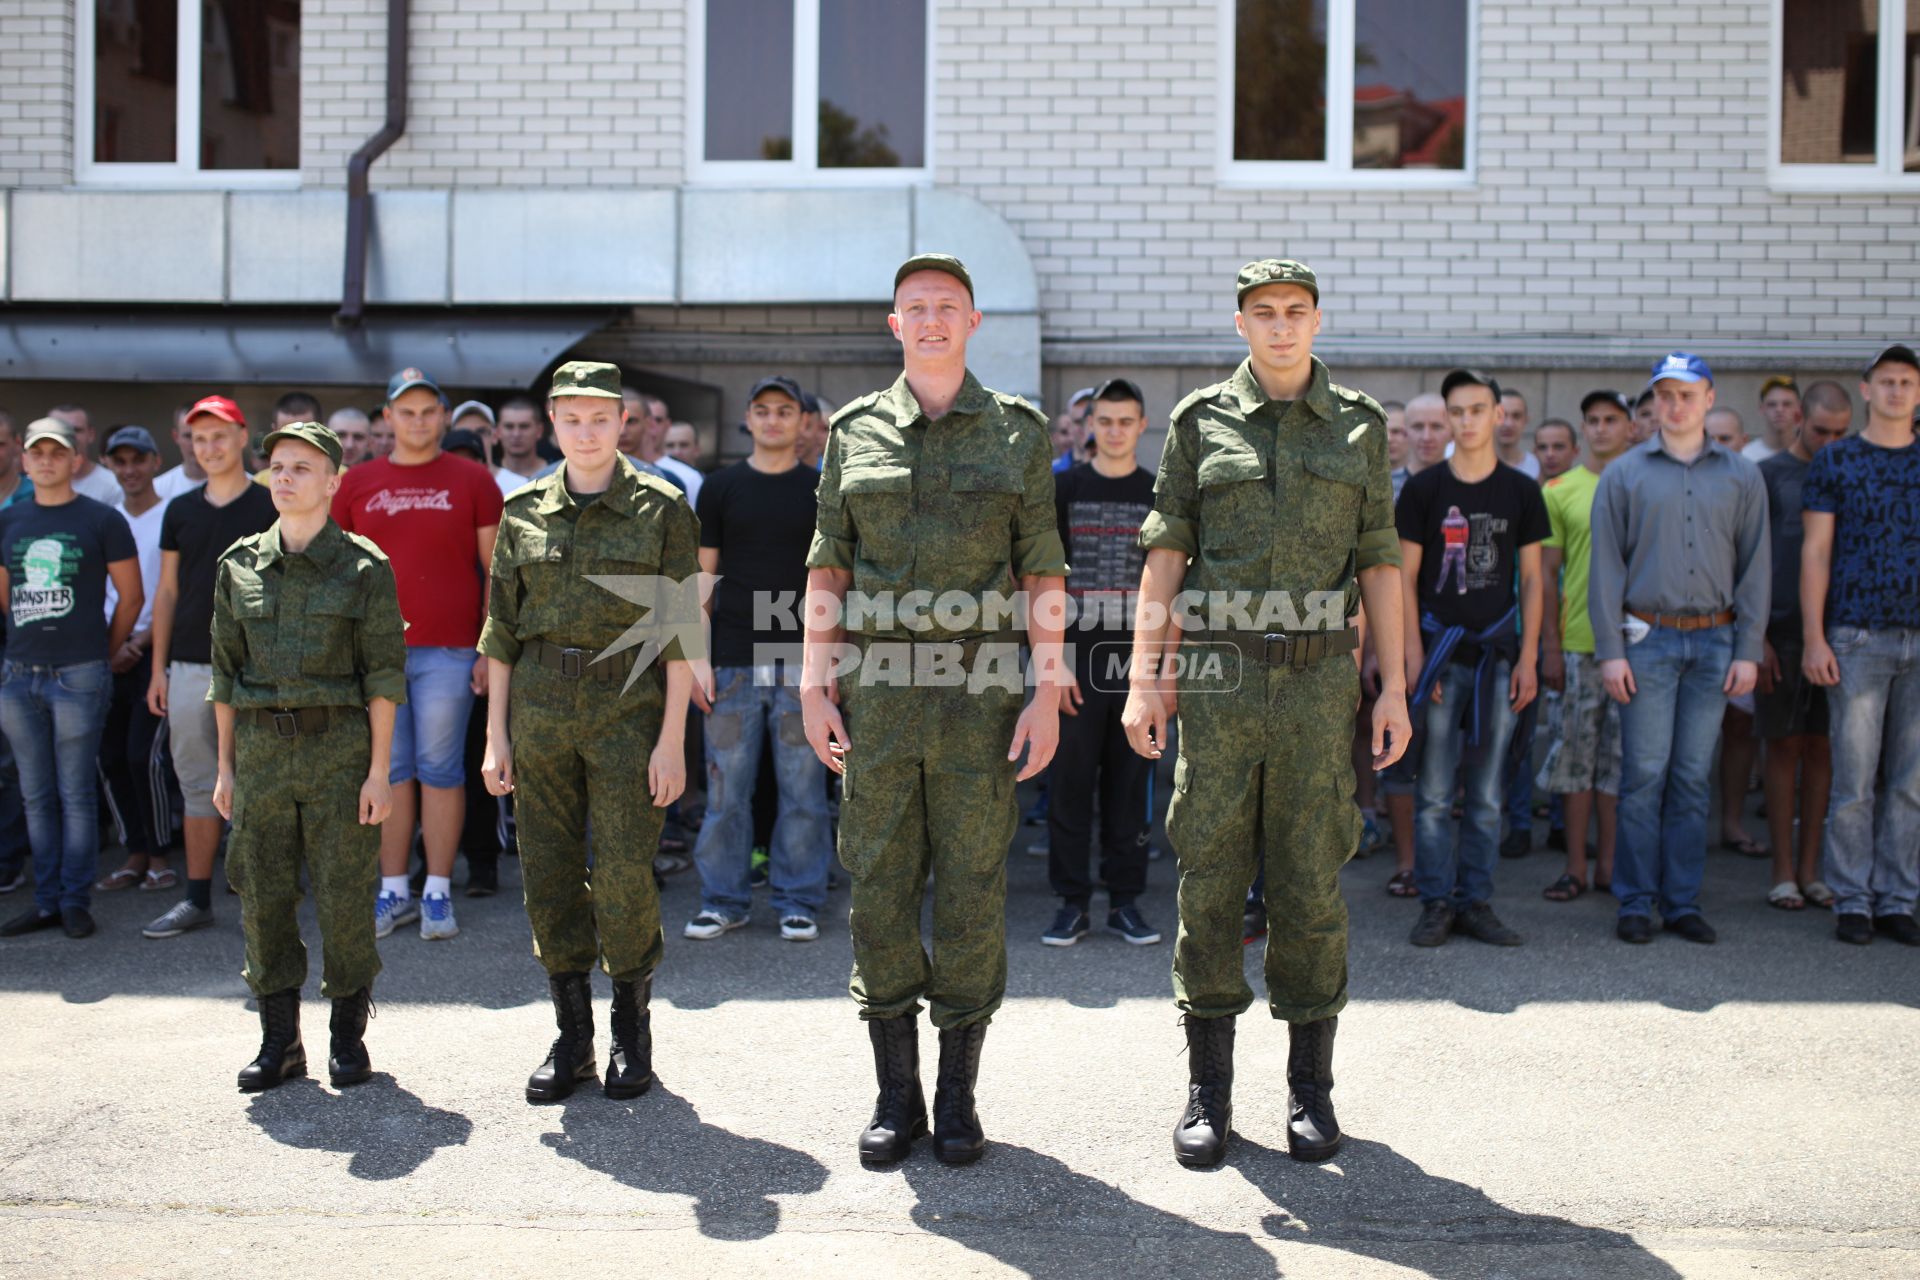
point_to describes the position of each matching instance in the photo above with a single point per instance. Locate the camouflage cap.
(935, 262)
(586, 378)
(321, 438)
(1276, 271)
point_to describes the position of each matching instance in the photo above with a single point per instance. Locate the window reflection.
(1410, 84)
(873, 84)
(1829, 81)
(135, 52)
(250, 84)
(1280, 80)
(749, 80)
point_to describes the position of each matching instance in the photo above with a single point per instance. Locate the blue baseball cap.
(409, 378)
(1681, 366)
(131, 438)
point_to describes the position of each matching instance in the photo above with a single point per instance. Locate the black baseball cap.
(1898, 353)
(461, 440)
(1469, 378)
(1613, 398)
(1120, 389)
(784, 385)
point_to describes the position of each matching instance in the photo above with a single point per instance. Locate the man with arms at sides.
(1782, 411)
(91, 479)
(434, 515)
(177, 479)
(199, 525)
(1678, 598)
(1274, 484)
(1583, 764)
(1739, 749)
(940, 485)
(1791, 715)
(1860, 620)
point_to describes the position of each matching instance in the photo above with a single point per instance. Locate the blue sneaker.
(436, 917)
(390, 910)
(1129, 924)
(1369, 838)
(1070, 924)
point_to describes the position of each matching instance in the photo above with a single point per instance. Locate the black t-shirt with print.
(57, 560)
(1470, 536)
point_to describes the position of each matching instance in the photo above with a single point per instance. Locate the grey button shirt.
(1679, 537)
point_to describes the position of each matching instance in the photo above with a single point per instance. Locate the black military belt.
(1296, 649)
(294, 722)
(577, 664)
(929, 653)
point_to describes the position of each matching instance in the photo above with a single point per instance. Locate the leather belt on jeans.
(577, 664)
(1685, 621)
(1296, 649)
(294, 722)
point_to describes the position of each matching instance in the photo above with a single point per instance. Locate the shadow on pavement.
(1377, 1203)
(658, 1142)
(1033, 1213)
(388, 1131)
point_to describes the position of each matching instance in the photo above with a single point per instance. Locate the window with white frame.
(811, 90)
(1347, 92)
(188, 91)
(1845, 109)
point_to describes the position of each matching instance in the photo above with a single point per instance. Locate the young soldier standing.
(568, 719)
(309, 662)
(940, 486)
(1274, 482)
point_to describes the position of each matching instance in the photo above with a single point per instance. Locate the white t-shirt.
(174, 481)
(693, 479)
(100, 485)
(146, 541)
(1757, 451)
(1528, 466)
(510, 481)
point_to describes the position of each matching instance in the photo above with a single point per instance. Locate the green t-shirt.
(1570, 512)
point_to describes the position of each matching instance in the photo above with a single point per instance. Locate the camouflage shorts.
(1585, 755)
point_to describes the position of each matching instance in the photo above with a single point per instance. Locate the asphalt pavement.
(1571, 1108)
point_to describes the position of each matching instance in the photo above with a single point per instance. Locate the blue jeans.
(1519, 767)
(15, 848)
(53, 716)
(430, 728)
(1872, 859)
(1667, 733)
(1446, 870)
(743, 709)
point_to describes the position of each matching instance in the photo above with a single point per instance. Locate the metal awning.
(231, 346)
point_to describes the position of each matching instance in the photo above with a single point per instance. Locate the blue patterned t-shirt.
(1873, 494)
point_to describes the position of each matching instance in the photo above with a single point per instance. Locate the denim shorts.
(430, 729)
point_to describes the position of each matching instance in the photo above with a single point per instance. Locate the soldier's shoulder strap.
(853, 408)
(526, 495)
(1347, 397)
(243, 548)
(365, 546)
(1197, 397)
(1021, 404)
(665, 488)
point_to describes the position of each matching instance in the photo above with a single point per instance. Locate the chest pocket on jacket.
(332, 619)
(1236, 503)
(986, 498)
(880, 498)
(1336, 488)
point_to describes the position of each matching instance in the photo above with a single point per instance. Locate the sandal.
(164, 878)
(1565, 889)
(124, 878)
(1786, 896)
(1747, 846)
(1402, 886)
(1818, 894)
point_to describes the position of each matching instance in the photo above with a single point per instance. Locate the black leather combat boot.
(282, 1056)
(1312, 1131)
(570, 1061)
(630, 1064)
(900, 1112)
(957, 1138)
(347, 1060)
(1200, 1139)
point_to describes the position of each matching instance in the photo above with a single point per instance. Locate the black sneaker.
(1902, 929)
(1477, 920)
(1855, 927)
(1635, 929)
(1693, 928)
(1127, 922)
(77, 921)
(483, 875)
(29, 921)
(1070, 924)
(1436, 922)
(1518, 844)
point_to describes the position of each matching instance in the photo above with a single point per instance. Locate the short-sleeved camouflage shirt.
(960, 504)
(1265, 495)
(313, 628)
(548, 545)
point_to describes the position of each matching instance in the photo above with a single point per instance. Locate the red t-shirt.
(427, 519)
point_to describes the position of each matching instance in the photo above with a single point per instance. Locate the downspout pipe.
(353, 299)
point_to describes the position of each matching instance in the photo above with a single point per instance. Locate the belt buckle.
(286, 724)
(570, 664)
(1286, 643)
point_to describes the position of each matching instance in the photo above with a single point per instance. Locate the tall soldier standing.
(936, 486)
(1274, 485)
(567, 720)
(309, 662)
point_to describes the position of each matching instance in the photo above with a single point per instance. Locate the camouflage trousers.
(1264, 781)
(296, 801)
(928, 788)
(580, 749)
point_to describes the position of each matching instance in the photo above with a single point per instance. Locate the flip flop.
(1402, 886)
(1565, 889)
(1747, 846)
(164, 878)
(1818, 894)
(124, 878)
(1786, 896)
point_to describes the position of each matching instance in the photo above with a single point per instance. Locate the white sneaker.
(391, 910)
(798, 928)
(711, 924)
(436, 917)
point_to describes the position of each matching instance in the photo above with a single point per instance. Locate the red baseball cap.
(220, 407)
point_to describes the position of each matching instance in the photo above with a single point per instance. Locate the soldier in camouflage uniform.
(569, 719)
(1273, 483)
(309, 662)
(937, 485)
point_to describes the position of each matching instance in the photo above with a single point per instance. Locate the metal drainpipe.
(353, 300)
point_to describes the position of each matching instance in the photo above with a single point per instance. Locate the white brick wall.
(36, 92)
